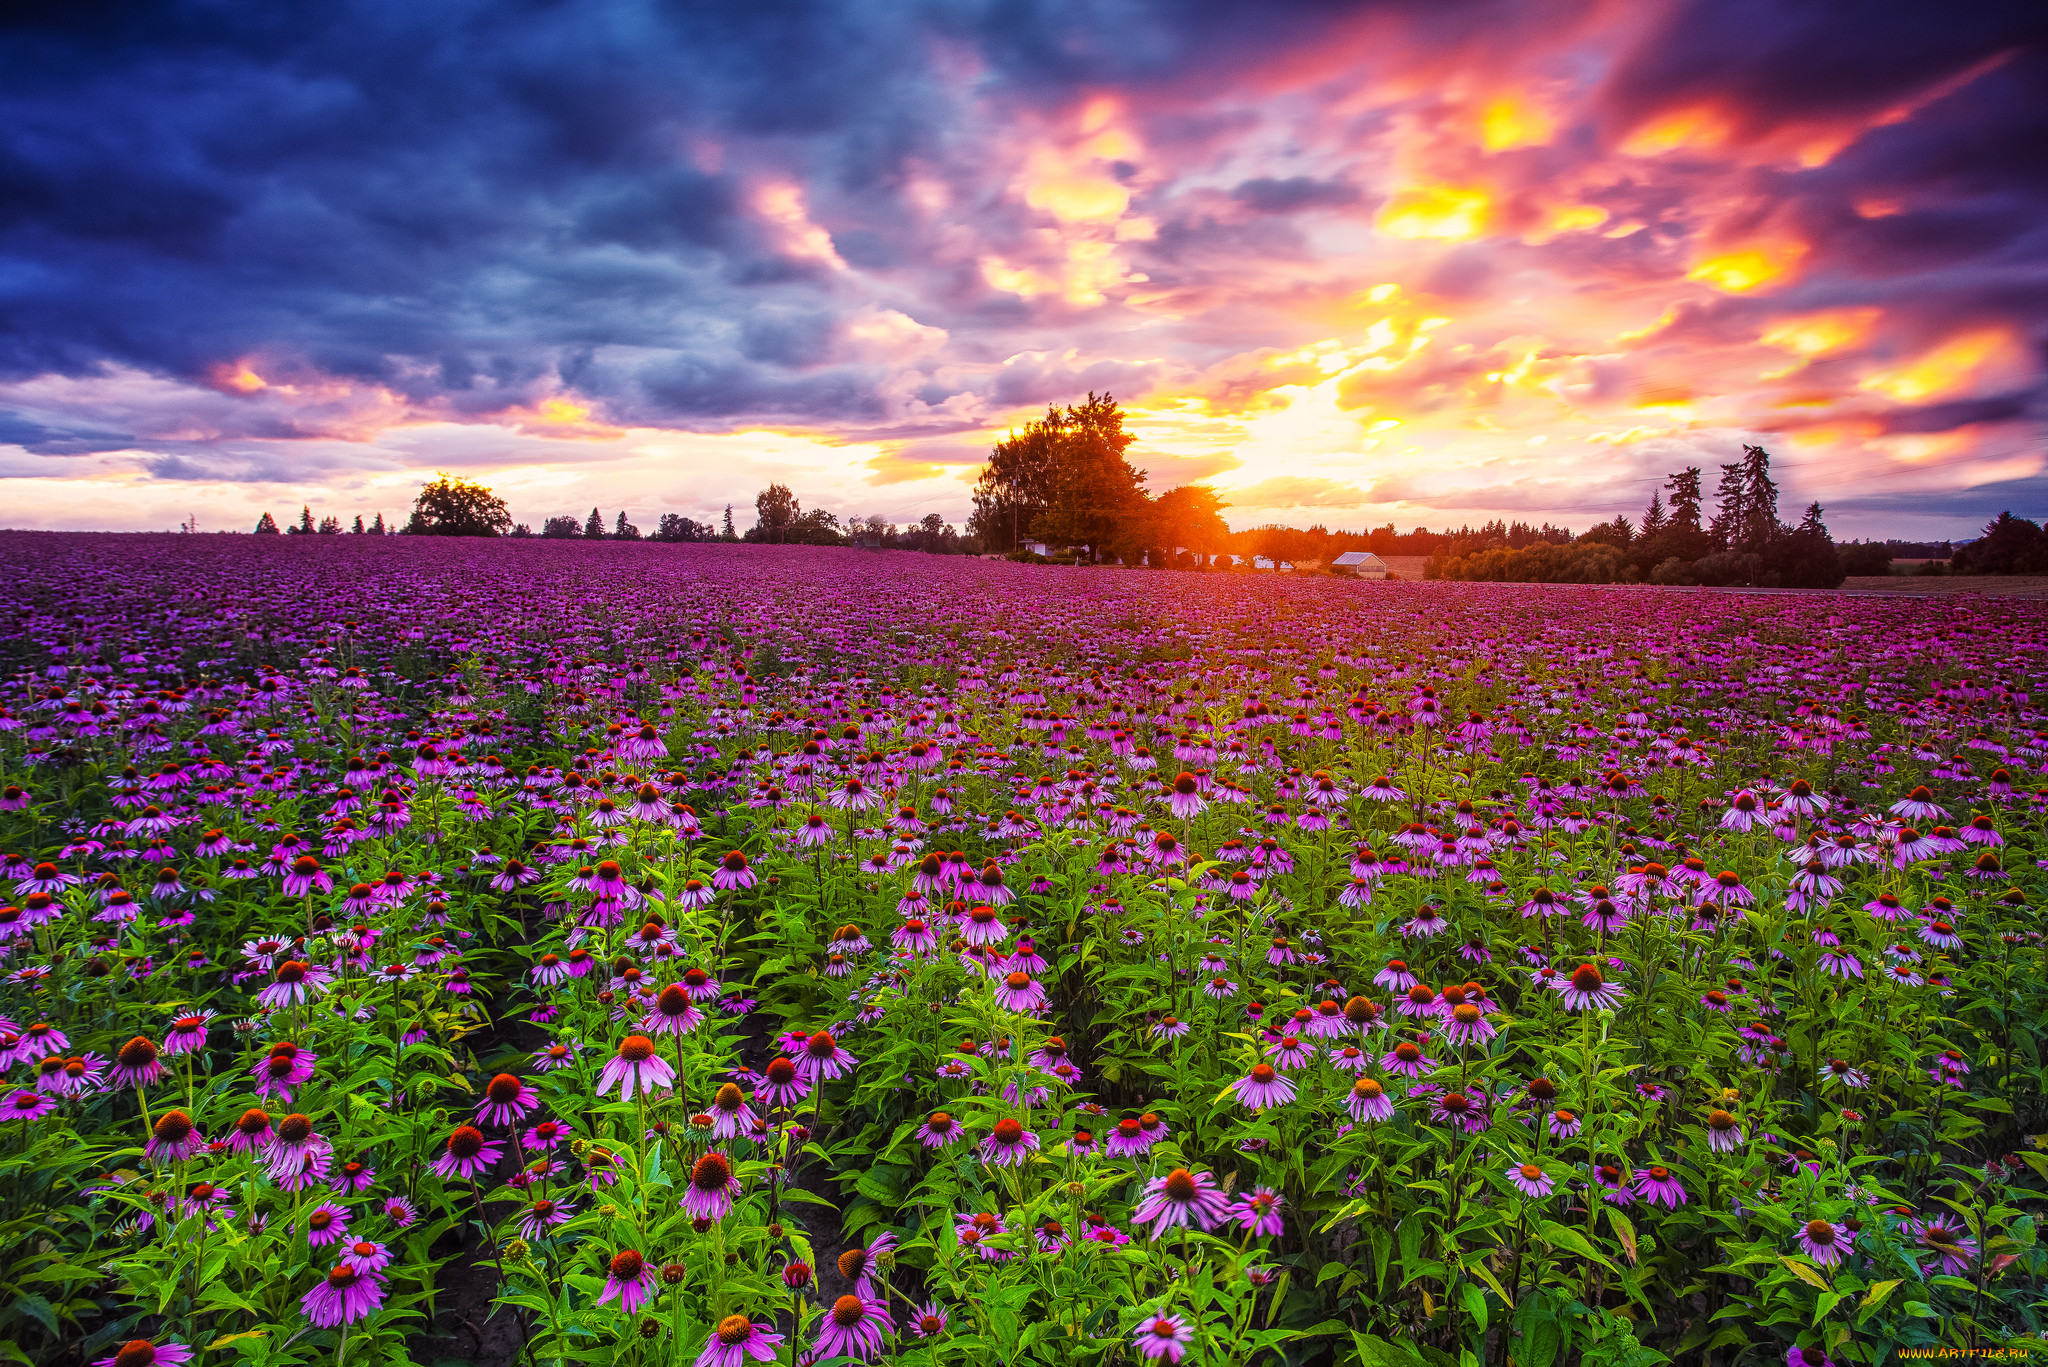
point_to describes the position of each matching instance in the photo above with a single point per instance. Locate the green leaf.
(1485, 1274)
(1474, 1301)
(1806, 1272)
(1377, 1352)
(1624, 1231)
(1565, 1237)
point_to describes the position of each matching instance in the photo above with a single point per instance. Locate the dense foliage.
(725, 954)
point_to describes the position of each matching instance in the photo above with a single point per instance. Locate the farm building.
(1359, 565)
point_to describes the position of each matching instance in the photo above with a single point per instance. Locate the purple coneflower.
(1262, 1087)
(1368, 1101)
(1163, 1336)
(712, 1187)
(1468, 1025)
(1531, 1180)
(733, 873)
(326, 1223)
(1020, 992)
(187, 1034)
(1588, 989)
(628, 1280)
(173, 1139)
(783, 1083)
(823, 1059)
(294, 983)
(940, 1130)
(506, 1101)
(735, 1339)
(673, 1013)
(1660, 1187)
(1008, 1143)
(25, 1105)
(343, 1297)
(1724, 1132)
(1955, 1252)
(466, 1154)
(1825, 1243)
(853, 1327)
(1290, 1052)
(636, 1067)
(1179, 1199)
(542, 1215)
(1406, 1059)
(1258, 1212)
(147, 1353)
(136, 1064)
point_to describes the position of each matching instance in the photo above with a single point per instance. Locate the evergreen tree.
(1731, 507)
(357, 530)
(377, 527)
(2010, 545)
(1759, 524)
(1654, 520)
(625, 531)
(593, 526)
(726, 533)
(305, 527)
(1685, 499)
(266, 525)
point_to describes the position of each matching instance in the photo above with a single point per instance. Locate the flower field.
(422, 950)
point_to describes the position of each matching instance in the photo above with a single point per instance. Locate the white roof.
(1351, 559)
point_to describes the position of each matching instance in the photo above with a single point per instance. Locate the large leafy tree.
(1065, 478)
(1018, 483)
(776, 512)
(451, 506)
(1190, 518)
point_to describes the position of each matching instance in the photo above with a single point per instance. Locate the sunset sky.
(1425, 262)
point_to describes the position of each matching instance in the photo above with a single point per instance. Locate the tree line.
(1742, 542)
(1065, 482)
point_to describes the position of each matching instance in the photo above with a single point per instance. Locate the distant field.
(1409, 568)
(1994, 586)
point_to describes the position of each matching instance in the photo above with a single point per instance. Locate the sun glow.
(1449, 213)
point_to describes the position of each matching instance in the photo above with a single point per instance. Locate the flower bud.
(796, 1276)
(672, 1274)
